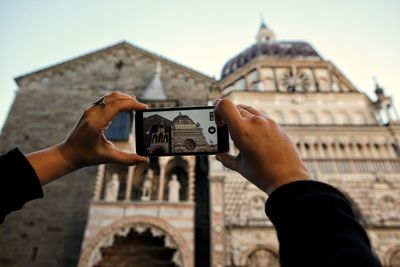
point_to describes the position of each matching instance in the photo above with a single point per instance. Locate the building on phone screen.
(186, 210)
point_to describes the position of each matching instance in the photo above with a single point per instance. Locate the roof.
(126, 44)
(270, 49)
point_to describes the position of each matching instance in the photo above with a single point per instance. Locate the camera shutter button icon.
(212, 130)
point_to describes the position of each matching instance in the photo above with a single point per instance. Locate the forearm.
(49, 164)
(316, 227)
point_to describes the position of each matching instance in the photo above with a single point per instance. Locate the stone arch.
(326, 117)
(246, 254)
(278, 116)
(91, 253)
(310, 117)
(293, 117)
(343, 118)
(359, 118)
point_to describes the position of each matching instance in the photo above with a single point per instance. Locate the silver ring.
(100, 102)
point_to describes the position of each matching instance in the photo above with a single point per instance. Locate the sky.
(362, 38)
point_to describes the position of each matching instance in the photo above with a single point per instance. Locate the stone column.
(380, 151)
(390, 150)
(217, 221)
(99, 182)
(321, 150)
(128, 192)
(191, 174)
(374, 151)
(355, 149)
(161, 181)
(330, 151)
(348, 152)
(303, 150)
(338, 150)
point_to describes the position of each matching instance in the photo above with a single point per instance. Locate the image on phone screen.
(180, 131)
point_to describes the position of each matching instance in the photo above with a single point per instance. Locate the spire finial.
(263, 25)
(265, 34)
(378, 88)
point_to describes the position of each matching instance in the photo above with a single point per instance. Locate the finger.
(216, 101)
(227, 160)
(250, 109)
(111, 110)
(226, 111)
(110, 98)
(115, 96)
(125, 158)
(245, 114)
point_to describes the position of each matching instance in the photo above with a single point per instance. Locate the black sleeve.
(19, 182)
(317, 227)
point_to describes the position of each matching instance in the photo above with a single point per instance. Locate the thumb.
(128, 158)
(227, 160)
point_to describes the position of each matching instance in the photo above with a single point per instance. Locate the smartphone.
(179, 131)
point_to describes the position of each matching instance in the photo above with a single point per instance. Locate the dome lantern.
(265, 34)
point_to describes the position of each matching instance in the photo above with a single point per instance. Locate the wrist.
(49, 164)
(298, 175)
(65, 152)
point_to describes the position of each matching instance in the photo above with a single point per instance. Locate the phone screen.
(179, 131)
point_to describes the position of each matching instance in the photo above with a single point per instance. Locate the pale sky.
(361, 37)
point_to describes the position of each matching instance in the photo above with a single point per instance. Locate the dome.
(272, 50)
(182, 119)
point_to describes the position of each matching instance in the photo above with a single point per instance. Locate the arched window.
(343, 118)
(293, 117)
(310, 117)
(326, 117)
(278, 116)
(359, 118)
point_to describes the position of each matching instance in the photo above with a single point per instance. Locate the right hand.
(267, 157)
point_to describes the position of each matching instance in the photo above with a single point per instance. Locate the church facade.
(191, 211)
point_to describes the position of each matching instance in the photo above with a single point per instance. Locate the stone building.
(114, 215)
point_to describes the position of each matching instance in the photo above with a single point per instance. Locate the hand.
(267, 157)
(87, 144)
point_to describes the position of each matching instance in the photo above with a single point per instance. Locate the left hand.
(87, 144)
